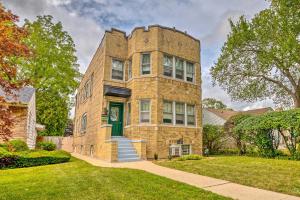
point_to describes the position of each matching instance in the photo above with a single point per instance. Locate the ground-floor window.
(179, 109)
(168, 112)
(145, 111)
(190, 109)
(178, 113)
(128, 118)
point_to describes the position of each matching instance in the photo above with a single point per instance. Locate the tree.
(53, 71)
(237, 134)
(213, 137)
(261, 58)
(11, 47)
(213, 103)
(260, 129)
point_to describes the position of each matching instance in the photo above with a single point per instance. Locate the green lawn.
(80, 180)
(270, 174)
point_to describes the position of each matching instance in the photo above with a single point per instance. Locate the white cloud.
(85, 20)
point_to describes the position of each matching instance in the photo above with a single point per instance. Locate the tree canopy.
(213, 103)
(11, 47)
(287, 123)
(261, 58)
(53, 71)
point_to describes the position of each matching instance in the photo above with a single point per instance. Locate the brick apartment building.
(141, 96)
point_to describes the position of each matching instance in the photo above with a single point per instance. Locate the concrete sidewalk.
(221, 187)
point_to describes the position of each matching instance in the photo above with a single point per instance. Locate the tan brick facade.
(157, 41)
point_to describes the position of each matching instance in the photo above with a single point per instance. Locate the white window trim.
(141, 64)
(172, 112)
(111, 67)
(140, 111)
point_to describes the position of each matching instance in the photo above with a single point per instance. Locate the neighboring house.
(220, 116)
(24, 112)
(140, 95)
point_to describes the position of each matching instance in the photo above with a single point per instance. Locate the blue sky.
(86, 21)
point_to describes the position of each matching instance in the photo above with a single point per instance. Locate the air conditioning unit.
(177, 150)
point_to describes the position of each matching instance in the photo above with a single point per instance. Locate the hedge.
(32, 158)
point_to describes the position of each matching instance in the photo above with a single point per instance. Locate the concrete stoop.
(126, 151)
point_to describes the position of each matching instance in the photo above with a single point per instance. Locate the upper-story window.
(83, 123)
(190, 72)
(168, 65)
(129, 69)
(179, 68)
(117, 69)
(145, 111)
(145, 64)
(168, 112)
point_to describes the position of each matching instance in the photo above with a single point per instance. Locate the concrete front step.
(128, 159)
(126, 151)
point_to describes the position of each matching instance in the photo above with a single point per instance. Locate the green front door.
(116, 118)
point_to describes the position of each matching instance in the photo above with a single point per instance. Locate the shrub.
(4, 146)
(228, 151)
(7, 158)
(32, 158)
(190, 157)
(213, 137)
(48, 146)
(17, 145)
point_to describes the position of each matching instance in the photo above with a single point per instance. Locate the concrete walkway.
(221, 187)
